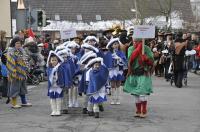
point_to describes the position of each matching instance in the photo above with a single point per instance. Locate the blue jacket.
(60, 81)
(98, 79)
(68, 70)
(109, 61)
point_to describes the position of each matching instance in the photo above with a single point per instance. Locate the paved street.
(170, 110)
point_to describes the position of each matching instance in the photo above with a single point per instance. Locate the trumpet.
(117, 29)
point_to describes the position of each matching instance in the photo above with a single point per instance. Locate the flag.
(31, 33)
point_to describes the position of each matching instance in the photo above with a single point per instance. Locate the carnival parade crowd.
(95, 67)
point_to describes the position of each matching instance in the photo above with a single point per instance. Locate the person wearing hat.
(138, 82)
(68, 68)
(91, 43)
(51, 46)
(17, 68)
(179, 60)
(56, 82)
(159, 68)
(86, 47)
(96, 91)
(73, 91)
(34, 54)
(83, 85)
(91, 40)
(78, 39)
(116, 63)
(166, 54)
(107, 34)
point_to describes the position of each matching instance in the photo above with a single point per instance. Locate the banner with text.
(68, 33)
(144, 31)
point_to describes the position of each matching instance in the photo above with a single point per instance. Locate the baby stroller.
(35, 76)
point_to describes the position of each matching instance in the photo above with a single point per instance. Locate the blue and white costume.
(116, 62)
(55, 84)
(96, 87)
(83, 85)
(92, 40)
(73, 91)
(85, 71)
(97, 80)
(75, 58)
(68, 68)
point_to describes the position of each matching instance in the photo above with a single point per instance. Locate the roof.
(108, 9)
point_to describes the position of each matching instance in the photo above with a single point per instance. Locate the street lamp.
(133, 10)
(136, 14)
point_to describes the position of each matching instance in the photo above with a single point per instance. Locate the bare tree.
(166, 9)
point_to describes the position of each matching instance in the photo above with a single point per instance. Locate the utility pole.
(21, 15)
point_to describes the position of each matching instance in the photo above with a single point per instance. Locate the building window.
(79, 17)
(98, 17)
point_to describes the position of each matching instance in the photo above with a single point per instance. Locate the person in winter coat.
(179, 60)
(17, 69)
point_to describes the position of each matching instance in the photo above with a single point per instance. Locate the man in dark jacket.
(179, 60)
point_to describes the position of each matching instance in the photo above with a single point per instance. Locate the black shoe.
(8, 100)
(84, 111)
(90, 113)
(179, 86)
(101, 108)
(64, 111)
(96, 114)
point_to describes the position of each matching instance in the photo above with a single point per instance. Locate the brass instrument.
(117, 29)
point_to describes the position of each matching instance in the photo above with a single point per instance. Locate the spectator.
(4, 74)
(17, 73)
(179, 68)
(3, 42)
